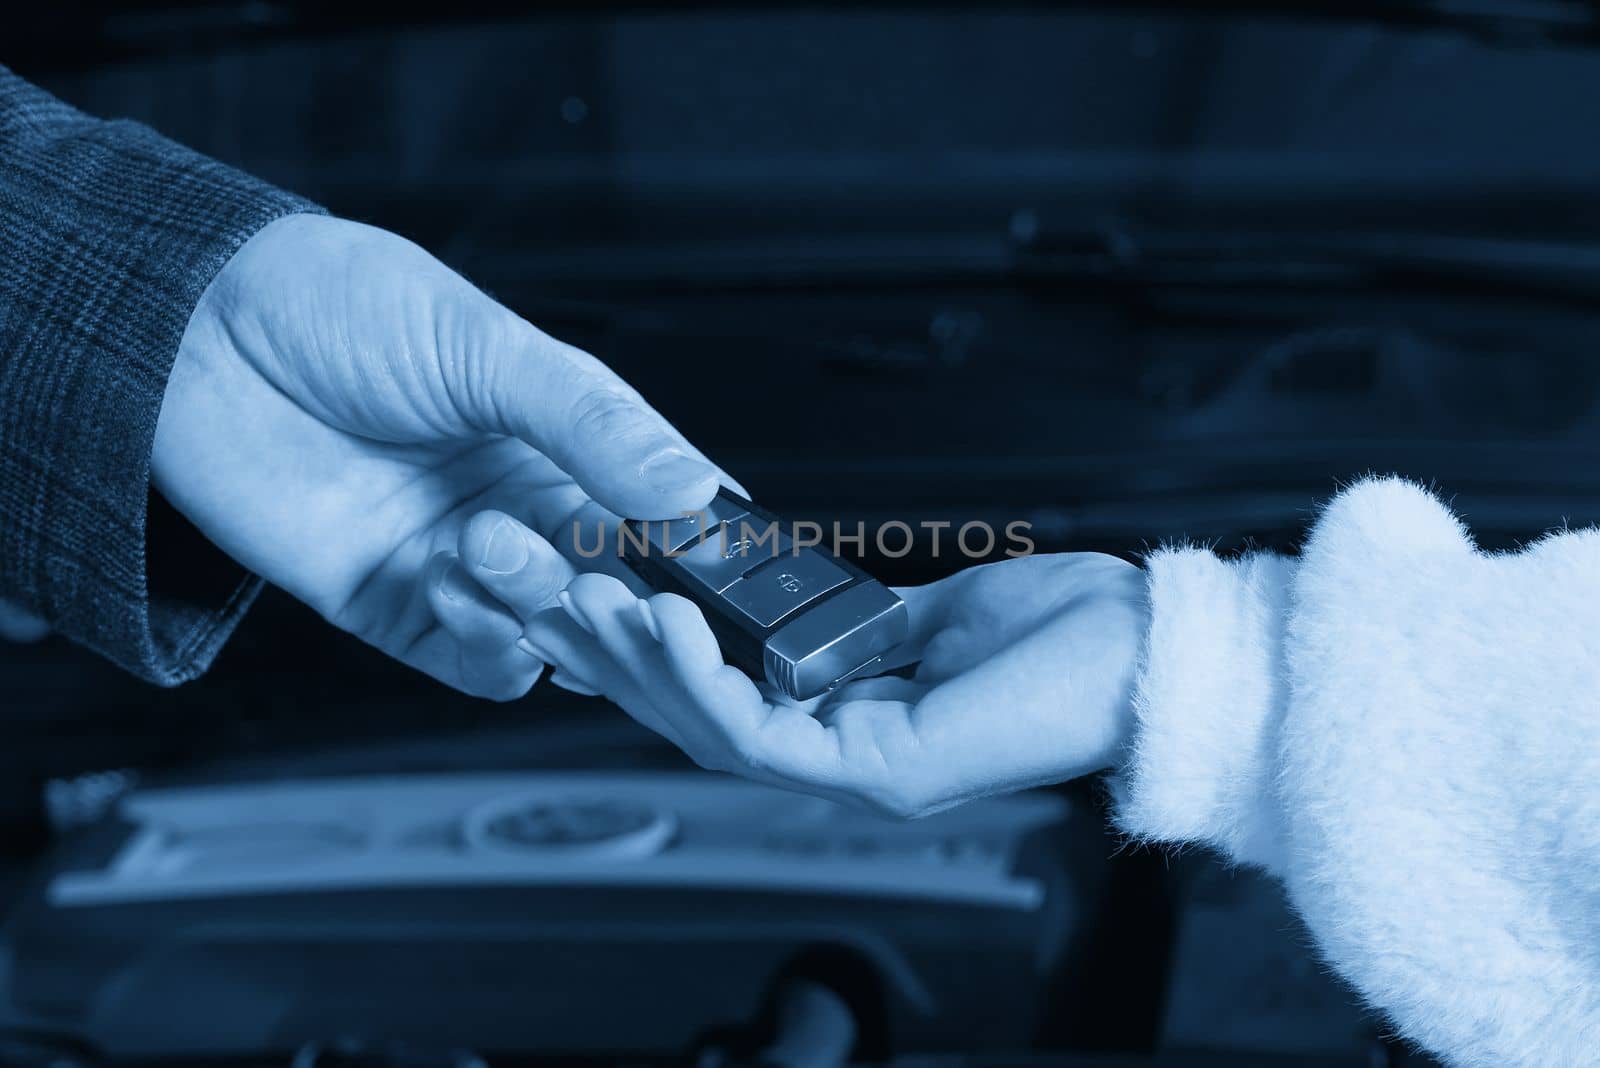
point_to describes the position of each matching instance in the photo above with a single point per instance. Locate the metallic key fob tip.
(801, 618)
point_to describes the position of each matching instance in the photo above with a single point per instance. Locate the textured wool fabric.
(1406, 730)
(108, 236)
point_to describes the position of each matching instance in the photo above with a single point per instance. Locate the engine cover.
(563, 913)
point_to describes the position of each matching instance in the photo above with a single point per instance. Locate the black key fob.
(796, 615)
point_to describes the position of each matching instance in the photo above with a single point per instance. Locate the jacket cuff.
(111, 234)
(1210, 695)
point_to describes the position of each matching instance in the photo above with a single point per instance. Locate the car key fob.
(798, 616)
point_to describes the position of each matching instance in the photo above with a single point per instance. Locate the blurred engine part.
(816, 1028)
(571, 913)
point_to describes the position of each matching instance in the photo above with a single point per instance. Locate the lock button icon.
(778, 587)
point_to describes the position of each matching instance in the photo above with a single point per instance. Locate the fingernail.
(567, 682)
(533, 650)
(572, 610)
(506, 551)
(648, 614)
(455, 586)
(674, 469)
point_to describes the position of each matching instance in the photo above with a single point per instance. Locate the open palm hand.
(1024, 674)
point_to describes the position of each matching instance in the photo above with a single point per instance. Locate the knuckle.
(538, 580)
(544, 583)
(603, 413)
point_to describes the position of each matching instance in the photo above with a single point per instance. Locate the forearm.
(108, 236)
(1405, 730)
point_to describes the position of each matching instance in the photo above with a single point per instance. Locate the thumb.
(596, 427)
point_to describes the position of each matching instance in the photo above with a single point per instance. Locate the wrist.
(1124, 621)
(186, 419)
(209, 363)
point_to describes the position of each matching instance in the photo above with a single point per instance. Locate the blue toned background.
(1126, 276)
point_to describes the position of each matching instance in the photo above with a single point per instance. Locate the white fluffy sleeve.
(1407, 731)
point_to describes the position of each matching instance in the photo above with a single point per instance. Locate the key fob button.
(726, 556)
(670, 535)
(780, 586)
